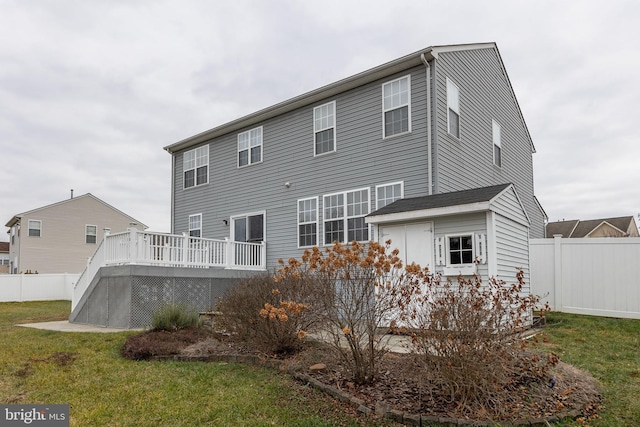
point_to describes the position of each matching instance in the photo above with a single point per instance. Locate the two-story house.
(430, 150)
(59, 238)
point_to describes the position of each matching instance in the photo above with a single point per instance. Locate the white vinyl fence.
(595, 276)
(37, 287)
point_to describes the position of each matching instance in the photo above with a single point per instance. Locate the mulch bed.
(398, 388)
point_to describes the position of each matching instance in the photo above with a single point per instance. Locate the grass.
(609, 349)
(86, 371)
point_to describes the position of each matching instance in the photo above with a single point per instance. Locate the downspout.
(429, 160)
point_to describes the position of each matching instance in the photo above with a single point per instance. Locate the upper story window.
(497, 145)
(396, 103)
(250, 147)
(388, 193)
(195, 164)
(346, 211)
(324, 128)
(308, 222)
(90, 234)
(195, 225)
(248, 227)
(453, 108)
(35, 227)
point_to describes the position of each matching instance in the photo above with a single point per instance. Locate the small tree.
(357, 289)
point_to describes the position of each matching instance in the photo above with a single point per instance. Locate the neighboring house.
(430, 150)
(59, 238)
(4, 257)
(624, 226)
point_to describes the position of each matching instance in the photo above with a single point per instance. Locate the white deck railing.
(169, 250)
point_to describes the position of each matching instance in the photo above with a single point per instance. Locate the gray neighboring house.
(430, 150)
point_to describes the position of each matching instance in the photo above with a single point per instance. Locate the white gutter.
(429, 160)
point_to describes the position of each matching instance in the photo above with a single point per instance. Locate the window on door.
(195, 225)
(249, 228)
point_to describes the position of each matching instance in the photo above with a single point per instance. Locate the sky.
(92, 90)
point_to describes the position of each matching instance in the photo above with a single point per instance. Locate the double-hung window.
(396, 103)
(249, 227)
(308, 222)
(35, 228)
(497, 145)
(453, 108)
(324, 128)
(195, 164)
(388, 193)
(195, 225)
(250, 147)
(344, 215)
(90, 234)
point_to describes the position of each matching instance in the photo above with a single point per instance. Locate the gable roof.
(576, 228)
(456, 202)
(16, 218)
(373, 74)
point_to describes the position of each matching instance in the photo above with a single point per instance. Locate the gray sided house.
(430, 149)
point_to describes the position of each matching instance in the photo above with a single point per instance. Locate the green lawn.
(610, 350)
(86, 371)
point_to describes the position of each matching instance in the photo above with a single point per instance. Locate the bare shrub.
(357, 288)
(269, 316)
(467, 334)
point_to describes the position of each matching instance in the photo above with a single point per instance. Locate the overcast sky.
(92, 90)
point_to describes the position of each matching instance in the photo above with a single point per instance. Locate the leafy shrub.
(268, 315)
(171, 317)
(466, 333)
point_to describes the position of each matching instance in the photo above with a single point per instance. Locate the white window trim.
(261, 145)
(496, 133)
(246, 215)
(193, 229)
(195, 167)
(86, 234)
(298, 223)
(345, 216)
(450, 83)
(389, 185)
(408, 104)
(316, 130)
(29, 227)
(479, 252)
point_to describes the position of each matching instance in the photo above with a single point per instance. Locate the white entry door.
(414, 240)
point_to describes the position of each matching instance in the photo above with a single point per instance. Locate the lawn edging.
(382, 409)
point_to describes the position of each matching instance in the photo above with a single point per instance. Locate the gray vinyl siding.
(508, 206)
(485, 95)
(458, 225)
(363, 159)
(512, 250)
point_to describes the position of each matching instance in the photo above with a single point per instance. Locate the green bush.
(171, 317)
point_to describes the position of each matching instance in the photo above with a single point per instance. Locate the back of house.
(316, 168)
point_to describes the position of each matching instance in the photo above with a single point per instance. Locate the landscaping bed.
(398, 393)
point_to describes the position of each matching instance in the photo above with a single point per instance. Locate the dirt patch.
(399, 385)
